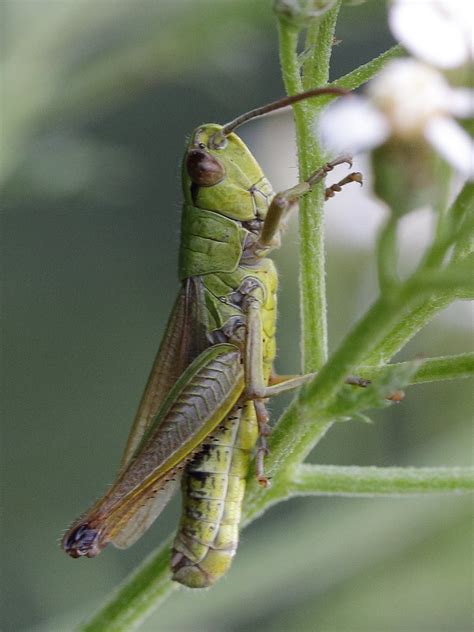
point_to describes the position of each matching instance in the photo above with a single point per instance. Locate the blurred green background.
(98, 98)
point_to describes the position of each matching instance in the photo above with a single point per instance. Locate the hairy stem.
(405, 329)
(387, 256)
(378, 481)
(364, 73)
(430, 370)
(137, 597)
(310, 156)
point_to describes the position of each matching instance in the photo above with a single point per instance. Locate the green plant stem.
(430, 370)
(378, 481)
(290, 68)
(310, 157)
(139, 594)
(403, 330)
(383, 316)
(380, 317)
(451, 229)
(458, 279)
(462, 206)
(362, 74)
(387, 256)
(318, 46)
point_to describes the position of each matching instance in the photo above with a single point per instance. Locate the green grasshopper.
(203, 411)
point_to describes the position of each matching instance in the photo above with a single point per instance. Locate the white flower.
(353, 125)
(440, 32)
(408, 101)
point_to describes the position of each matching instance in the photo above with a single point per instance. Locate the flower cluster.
(411, 102)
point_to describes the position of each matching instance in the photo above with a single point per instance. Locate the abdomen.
(213, 491)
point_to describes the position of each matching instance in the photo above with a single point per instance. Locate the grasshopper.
(203, 414)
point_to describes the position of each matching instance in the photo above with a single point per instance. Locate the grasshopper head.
(220, 174)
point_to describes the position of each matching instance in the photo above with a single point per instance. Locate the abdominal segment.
(213, 489)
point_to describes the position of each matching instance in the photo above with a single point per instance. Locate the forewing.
(200, 399)
(184, 339)
(144, 517)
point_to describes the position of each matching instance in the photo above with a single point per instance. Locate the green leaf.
(364, 73)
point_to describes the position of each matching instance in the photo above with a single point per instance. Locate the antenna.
(278, 105)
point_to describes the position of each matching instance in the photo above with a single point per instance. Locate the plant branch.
(430, 370)
(387, 256)
(361, 75)
(377, 481)
(364, 73)
(403, 330)
(462, 206)
(138, 596)
(310, 157)
(318, 48)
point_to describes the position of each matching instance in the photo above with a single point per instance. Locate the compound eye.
(203, 169)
